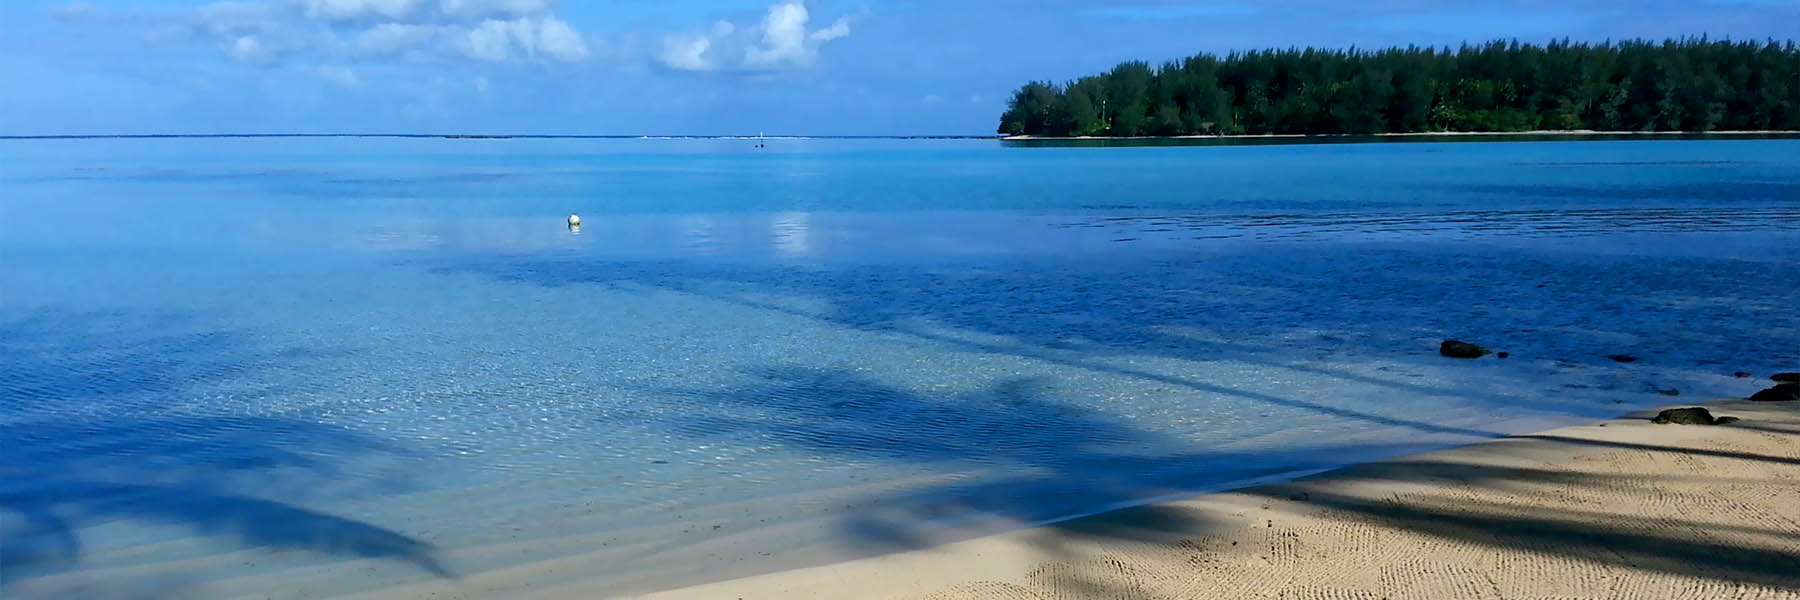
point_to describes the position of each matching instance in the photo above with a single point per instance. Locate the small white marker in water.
(574, 220)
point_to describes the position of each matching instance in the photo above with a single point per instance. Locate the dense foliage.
(1686, 85)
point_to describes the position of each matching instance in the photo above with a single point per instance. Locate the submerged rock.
(1624, 358)
(1668, 391)
(1502, 354)
(1781, 393)
(1741, 374)
(1462, 349)
(1690, 416)
(1785, 377)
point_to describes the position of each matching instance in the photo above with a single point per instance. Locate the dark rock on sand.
(1690, 416)
(1461, 349)
(1780, 393)
(1624, 358)
(1786, 377)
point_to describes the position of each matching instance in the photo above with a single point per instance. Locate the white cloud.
(560, 41)
(342, 76)
(422, 10)
(493, 40)
(77, 12)
(263, 31)
(838, 29)
(341, 10)
(780, 41)
(237, 18)
(691, 52)
(247, 48)
(395, 38)
(517, 8)
(305, 34)
(783, 36)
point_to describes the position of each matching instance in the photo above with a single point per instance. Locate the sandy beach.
(1617, 509)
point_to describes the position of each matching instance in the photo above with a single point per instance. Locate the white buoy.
(574, 220)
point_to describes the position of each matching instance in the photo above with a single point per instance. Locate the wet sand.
(1617, 509)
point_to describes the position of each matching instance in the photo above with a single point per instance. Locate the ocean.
(317, 367)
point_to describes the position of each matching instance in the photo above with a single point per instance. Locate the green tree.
(1693, 84)
(1031, 110)
(1127, 105)
(1081, 110)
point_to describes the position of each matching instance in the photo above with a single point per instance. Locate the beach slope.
(1619, 509)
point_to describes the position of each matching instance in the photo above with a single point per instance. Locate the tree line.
(1638, 85)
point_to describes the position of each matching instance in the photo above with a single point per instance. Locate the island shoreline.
(1421, 134)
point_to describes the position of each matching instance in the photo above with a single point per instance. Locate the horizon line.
(495, 136)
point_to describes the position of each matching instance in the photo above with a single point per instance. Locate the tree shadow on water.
(1019, 456)
(1014, 454)
(96, 420)
(1074, 318)
(1292, 311)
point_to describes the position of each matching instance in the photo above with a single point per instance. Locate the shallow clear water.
(300, 368)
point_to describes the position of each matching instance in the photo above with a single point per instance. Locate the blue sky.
(820, 67)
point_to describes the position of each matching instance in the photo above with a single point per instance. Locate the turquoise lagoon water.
(301, 368)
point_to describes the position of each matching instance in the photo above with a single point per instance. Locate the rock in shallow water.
(1462, 349)
(1780, 393)
(1690, 416)
(1624, 358)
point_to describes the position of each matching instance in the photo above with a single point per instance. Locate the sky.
(692, 67)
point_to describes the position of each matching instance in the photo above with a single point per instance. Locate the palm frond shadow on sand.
(1064, 457)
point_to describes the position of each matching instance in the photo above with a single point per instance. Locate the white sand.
(1621, 509)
